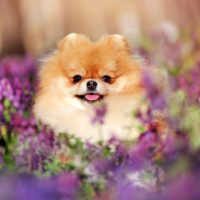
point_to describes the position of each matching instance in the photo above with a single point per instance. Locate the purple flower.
(23, 187)
(68, 185)
(184, 187)
(17, 67)
(99, 114)
(156, 97)
(125, 190)
(1, 109)
(190, 82)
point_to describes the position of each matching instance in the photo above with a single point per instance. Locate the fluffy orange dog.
(82, 74)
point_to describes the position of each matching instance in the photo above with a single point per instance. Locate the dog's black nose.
(91, 85)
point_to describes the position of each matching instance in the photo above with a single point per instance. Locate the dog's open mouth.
(90, 97)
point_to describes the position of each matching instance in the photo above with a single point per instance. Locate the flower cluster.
(163, 163)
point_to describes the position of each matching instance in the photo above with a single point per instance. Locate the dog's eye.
(77, 78)
(106, 78)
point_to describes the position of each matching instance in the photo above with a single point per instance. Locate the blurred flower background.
(35, 26)
(163, 163)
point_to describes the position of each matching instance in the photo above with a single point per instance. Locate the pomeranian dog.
(79, 77)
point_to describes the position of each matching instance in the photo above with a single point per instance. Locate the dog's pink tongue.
(92, 97)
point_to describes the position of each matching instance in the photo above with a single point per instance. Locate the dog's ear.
(116, 41)
(71, 39)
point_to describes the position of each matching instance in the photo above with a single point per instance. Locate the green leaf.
(70, 166)
(6, 115)
(6, 103)
(141, 129)
(106, 151)
(88, 192)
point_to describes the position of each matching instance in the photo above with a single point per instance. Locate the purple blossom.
(99, 114)
(17, 67)
(125, 190)
(156, 97)
(23, 187)
(190, 82)
(184, 187)
(67, 185)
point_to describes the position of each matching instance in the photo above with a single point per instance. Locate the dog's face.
(91, 71)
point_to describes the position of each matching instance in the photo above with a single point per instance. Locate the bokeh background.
(162, 163)
(35, 26)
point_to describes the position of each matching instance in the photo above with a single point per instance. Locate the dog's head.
(90, 71)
